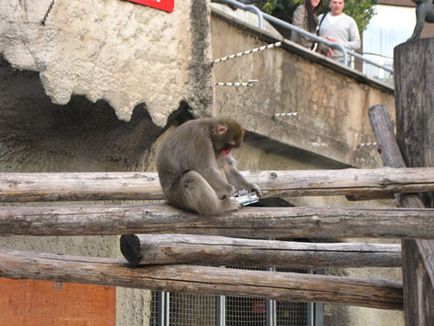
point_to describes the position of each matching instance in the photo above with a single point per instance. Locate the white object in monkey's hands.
(244, 198)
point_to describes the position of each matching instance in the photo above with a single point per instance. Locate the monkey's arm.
(235, 178)
(217, 181)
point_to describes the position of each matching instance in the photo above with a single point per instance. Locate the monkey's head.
(226, 135)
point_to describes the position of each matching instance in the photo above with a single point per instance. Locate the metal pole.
(221, 310)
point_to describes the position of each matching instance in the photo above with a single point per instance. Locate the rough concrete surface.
(114, 50)
(37, 136)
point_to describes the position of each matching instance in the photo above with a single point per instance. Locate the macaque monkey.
(196, 169)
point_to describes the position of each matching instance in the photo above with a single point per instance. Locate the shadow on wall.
(37, 135)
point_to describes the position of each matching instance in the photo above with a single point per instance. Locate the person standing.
(305, 18)
(340, 28)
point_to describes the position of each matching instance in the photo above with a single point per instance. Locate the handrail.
(277, 21)
(258, 12)
(361, 57)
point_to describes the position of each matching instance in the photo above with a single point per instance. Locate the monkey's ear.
(221, 129)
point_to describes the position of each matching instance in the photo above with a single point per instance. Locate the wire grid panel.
(192, 310)
(291, 313)
(241, 311)
(246, 311)
(154, 309)
(200, 310)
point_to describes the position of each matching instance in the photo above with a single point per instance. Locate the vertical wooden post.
(418, 255)
(414, 96)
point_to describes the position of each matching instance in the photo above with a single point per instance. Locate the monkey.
(196, 169)
(424, 13)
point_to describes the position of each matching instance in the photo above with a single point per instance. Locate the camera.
(244, 198)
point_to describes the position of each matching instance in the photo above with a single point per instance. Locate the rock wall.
(123, 53)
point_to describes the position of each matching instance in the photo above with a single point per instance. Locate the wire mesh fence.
(201, 310)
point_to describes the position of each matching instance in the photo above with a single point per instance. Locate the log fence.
(364, 183)
(159, 241)
(163, 245)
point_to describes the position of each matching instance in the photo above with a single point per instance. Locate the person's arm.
(297, 20)
(354, 36)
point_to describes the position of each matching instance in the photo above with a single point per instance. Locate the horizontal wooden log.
(369, 183)
(203, 280)
(250, 222)
(151, 249)
(28, 187)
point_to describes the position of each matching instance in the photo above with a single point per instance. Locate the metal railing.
(262, 15)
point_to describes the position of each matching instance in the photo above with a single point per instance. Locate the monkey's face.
(228, 135)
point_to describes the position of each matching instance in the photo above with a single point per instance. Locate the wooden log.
(417, 255)
(152, 249)
(369, 183)
(251, 222)
(203, 280)
(29, 187)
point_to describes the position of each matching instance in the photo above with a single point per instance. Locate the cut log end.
(130, 248)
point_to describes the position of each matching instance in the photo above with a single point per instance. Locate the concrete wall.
(331, 100)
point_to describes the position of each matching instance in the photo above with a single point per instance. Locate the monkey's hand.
(256, 189)
(225, 191)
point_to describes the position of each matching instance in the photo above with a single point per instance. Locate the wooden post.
(418, 258)
(414, 89)
(418, 255)
(152, 249)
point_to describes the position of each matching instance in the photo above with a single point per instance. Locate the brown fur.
(194, 171)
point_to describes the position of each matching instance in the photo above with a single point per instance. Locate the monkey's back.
(188, 148)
